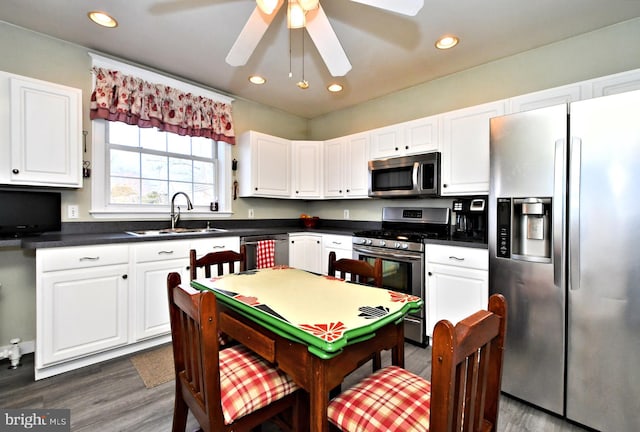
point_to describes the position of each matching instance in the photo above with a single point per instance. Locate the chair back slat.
(217, 260)
(467, 370)
(357, 270)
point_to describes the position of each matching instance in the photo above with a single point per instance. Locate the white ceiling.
(389, 52)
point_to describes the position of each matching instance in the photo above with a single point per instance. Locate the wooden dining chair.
(361, 272)
(463, 394)
(358, 271)
(217, 259)
(225, 389)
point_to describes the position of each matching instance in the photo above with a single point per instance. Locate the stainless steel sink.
(174, 231)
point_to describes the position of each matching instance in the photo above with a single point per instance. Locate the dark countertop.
(92, 233)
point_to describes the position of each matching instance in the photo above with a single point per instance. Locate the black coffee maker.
(470, 219)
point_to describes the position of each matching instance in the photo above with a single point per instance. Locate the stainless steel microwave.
(403, 177)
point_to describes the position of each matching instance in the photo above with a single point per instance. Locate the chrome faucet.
(175, 217)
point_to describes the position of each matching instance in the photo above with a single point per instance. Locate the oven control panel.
(389, 244)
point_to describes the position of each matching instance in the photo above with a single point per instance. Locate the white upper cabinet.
(421, 135)
(40, 133)
(307, 169)
(465, 149)
(550, 97)
(618, 83)
(264, 165)
(386, 142)
(346, 167)
(412, 137)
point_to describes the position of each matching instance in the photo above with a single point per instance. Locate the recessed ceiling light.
(257, 79)
(446, 42)
(334, 88)
(103, 19)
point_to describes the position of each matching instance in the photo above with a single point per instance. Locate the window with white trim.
(136, 171)
(147, 167)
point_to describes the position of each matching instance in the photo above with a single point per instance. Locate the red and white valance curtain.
(120, 97)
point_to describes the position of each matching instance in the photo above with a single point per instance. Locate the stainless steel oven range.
(400, 245)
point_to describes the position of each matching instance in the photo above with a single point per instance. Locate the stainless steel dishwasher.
(281, 252)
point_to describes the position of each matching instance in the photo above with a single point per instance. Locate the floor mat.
(155, 367)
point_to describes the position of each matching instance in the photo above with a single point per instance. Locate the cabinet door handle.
(165, 252)
(124, 276)
(89, 258)
(444, 185)
(430, 274)
(456, 258)
(15, 171)
(218, 247)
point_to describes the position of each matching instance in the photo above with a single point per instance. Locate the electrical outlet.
(346, 214)
(73, 212)
(250, 213)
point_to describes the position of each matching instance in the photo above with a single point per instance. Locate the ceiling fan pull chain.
(303, 84)
(290, 73)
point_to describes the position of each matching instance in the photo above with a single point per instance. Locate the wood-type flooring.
(111, 397)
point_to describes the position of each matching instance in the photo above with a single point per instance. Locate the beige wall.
(610, 50)
(603, 52)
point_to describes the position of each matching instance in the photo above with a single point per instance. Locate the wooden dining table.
(316, 328)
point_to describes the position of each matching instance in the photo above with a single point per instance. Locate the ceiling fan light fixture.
(257, 79)
(308, 5)
(295, 15)
(267, 6)
(103, 19)
(446, 42)
(304, 84)
(334, 88)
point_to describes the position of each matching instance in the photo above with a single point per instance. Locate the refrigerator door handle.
(558, 215)
(574, 213)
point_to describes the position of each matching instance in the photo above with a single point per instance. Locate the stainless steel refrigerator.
(564, 249)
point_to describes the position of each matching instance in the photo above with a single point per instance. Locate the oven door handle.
(408, 256)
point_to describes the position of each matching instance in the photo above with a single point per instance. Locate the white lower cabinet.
(340, 244)
(82, 302)
(94, 303)
(457, 283)
(305, 252)
(153, 262)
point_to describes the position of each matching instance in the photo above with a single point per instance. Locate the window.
(137, 171)
(146, 167)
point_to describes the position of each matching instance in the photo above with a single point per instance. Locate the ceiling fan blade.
(327, 43)
(404, 7)
(250, 36)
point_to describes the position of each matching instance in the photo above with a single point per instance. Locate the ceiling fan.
(310, 15)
